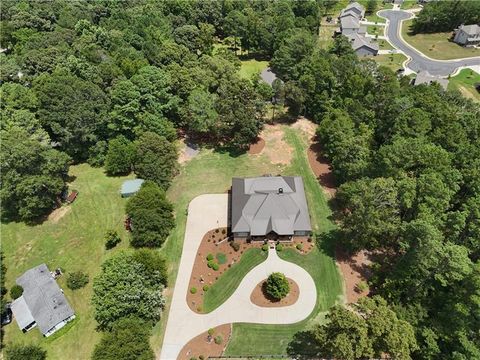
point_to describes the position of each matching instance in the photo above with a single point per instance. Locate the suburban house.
(269, 207)
(467, 35)
(424, 77)
(350, 27)
(42, 303)
(130, 187)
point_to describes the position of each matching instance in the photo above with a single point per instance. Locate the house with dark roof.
(467, 35)
(355, 9)
(42, 303)
(424, 77)
(362, 45)
(269, 207)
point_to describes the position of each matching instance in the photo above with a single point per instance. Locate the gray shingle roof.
(22, 313)
(44, 298)
(131, 186)
(470, 29)
(359, 41)
(268, 76)
(259, 206)
(349, 22)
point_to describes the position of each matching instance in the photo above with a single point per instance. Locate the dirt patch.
(204, 344)
(187, 151)
(355, 270)
(306, 126)
(214, 242)
(276, 148)
(257, 147)
(260, 298)
(57, 214)
(322, 169)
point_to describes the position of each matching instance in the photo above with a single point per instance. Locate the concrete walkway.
(205, 213)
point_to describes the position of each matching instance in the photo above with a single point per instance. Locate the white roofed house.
(467, 35)
(42, 303)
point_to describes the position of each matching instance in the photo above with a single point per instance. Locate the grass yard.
(75, 242)
(375, 30)
(464, 82)
(436, 45)
(377, 19)
(252, 67)
(409, 4)
(384, 44)
(325, 36)
(257, 339)
(221, 290)
(392, 61)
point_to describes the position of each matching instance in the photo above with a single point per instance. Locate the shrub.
(205, 287)
(215, 266)
(25, 352)
(217, 231)
(279, 247)
(193, 290)
(210, 264)
(77, 280)
(221, 258)
(362, 286)
(211, 331)
(224, 231)
(218, 340)
(16, 291)
(299, 247)
(265, 247)
(235, 245)
(210, 257)
(111, 239)
(277, 286)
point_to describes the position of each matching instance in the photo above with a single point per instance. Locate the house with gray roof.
(349, 25)
(269, 207)
(362, 45)
(354, 8)
(424, 77)
(467, 35)
(42, 303)
(131, 187)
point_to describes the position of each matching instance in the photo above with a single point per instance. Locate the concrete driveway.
(205, 213)
(420, 61)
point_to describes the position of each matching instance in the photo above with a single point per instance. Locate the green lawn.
(229, 281)
(375, 18)
(409, 4)
(464, 82)
(384, 44)
(256, 339)
(251, 67)
(76, 242)
(375, 30)
(325, 37)
(436, 45)
(392, 61)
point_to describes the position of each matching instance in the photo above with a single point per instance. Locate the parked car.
(7, 314)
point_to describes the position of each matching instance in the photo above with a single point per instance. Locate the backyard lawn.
(392, 61)
(436, 45)
(465, 83)
(375, 30)
(251, 67)
(75, 242)
(256, 339)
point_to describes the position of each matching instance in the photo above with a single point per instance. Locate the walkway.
(205, 213)
(420, 61)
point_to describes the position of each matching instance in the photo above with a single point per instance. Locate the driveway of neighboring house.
(418, 60)
(205, 213)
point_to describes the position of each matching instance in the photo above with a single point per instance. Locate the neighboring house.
(354, 8)
(363, 46)
(42, 303)
(130, 187)
(467, 35)
(268, 76)
(269, 207)
(350, 27)
(424, 77)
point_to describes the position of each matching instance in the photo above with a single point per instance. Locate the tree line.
(407, 159)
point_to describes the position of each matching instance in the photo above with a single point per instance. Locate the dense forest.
(438, 16)
(115, 83)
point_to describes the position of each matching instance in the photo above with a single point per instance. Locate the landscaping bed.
(257, 147)
(260, 298)
(215, 256)
(209, 343)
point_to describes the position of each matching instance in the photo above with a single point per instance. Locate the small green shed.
(130, 187)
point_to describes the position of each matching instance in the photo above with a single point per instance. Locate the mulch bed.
(204, 345)
(322, 169)
(213, 243)
(256, 147)
(306, 245)
(355, 269)
(260, 298)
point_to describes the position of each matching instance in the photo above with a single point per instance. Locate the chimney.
(280, 190)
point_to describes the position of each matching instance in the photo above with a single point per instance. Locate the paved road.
(419, 60)
(205, 213)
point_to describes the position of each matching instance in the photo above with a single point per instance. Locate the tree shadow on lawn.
(303, 346)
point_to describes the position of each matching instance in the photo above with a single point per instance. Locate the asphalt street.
(419, 61)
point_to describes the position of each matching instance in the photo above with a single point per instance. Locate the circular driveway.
(418, 60)
(207, 212)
